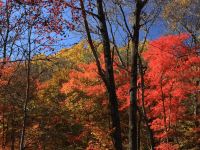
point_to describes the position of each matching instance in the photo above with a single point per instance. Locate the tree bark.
(133, 90)
(2, 67)
(134, 74)
(27, 98)
(110, 78)
(108, 75)
(146, 120)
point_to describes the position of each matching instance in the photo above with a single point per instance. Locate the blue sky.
(72, 37)
(159, 28)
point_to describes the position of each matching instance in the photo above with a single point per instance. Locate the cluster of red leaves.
(170, 79)
(6, 72)
(85, 79)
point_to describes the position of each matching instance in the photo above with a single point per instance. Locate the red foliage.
(166, 146)
(170, 79)
(6, 72)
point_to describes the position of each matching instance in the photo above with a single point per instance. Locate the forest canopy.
(99, 75)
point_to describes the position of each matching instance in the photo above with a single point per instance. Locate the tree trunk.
(27, 98)
(110, 79)
(108, 75)
(134, 74)
(164, 111)
(146, 120)
(2, 67)
(133, 90)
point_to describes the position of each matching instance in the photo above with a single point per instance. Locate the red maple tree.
(173, 68)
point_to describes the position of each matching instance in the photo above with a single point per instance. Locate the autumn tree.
(107, 75)
(170, 81)
(120, 70)
(101, 19)
(21, 39)
(86, 94)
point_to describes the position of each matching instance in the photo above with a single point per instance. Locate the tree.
(135, 22)
(170, 80)
(107, 75)
(133, 144)
(183, 16)
(21, 38)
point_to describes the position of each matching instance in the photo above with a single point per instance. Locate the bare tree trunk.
(3, 109)
(110, 78)
(108, 75)
(134, 74)
(133, 90)
(164, 110)
(146, 120)
(27, 98)
(2, 67)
